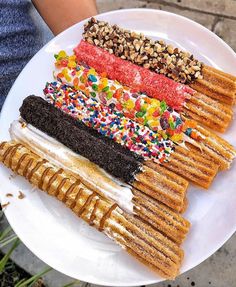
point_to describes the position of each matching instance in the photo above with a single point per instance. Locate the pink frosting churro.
(138, 78)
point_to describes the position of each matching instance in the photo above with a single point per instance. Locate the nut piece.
(155, 55)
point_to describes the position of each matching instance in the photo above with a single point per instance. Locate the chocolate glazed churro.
(131, 200)
(147, 245)
(166, 187)
(198, 169)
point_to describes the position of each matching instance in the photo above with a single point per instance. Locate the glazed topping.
(164, 59)
(136, 77)
(75, 192)
(61, 156)
(137, 138)
(155, 114)
(112, 157)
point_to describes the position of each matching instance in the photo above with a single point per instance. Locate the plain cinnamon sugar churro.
(143, 242)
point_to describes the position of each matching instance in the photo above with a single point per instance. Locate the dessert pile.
(119, 134)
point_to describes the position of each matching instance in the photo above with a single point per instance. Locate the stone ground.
(219, 270)
(217, 15)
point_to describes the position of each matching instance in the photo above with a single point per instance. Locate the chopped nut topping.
(155, 55)
(23, 124)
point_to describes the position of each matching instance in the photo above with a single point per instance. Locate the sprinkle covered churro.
(155, 114)
(138, 78)
(112, 157)
(112, 124)
(151, 112)
(215, 90)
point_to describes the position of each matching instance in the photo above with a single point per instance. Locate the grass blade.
(8, 254)
(71, 284)
(1, 214)
(8, 240)
(33, 279)
(5, 232)
(22, 280)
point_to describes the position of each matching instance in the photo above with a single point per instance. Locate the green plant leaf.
(22, 280)
(33, 279)
(8, 240)
(72, 283)
(5, 232)
(8, 254)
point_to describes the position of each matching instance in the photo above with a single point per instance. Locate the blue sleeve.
(20, 39)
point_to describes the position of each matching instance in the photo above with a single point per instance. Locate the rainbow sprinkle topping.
(109, 122)
(150, 112)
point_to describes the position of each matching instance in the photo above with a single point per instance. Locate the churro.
(195, 167)
(38, 113)
(129, 199)
(112, 157)
(214, 87)
(172, 62)
(134, 76)
(140, 240)
(217, 85)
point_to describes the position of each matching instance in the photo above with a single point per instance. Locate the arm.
(61, 14)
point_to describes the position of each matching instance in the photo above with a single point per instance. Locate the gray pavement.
(220, 269)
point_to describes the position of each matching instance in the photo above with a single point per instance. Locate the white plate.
(53, 232)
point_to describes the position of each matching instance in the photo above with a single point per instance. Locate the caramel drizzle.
(106, 216)
(70, 189)
(10, 150)
(13, 153)
(52, 179)
(6, 153)
(93, 214)
(73, 204)
(87, 202)
(13, 149)
(38, 165)
(40, 185)
(2, 145)
(60, 187)
(20, 161)
(28, 165)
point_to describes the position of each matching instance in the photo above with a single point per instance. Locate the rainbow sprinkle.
(109, 122)
(150, 112)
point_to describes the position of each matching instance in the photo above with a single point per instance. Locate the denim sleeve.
(20, 39)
